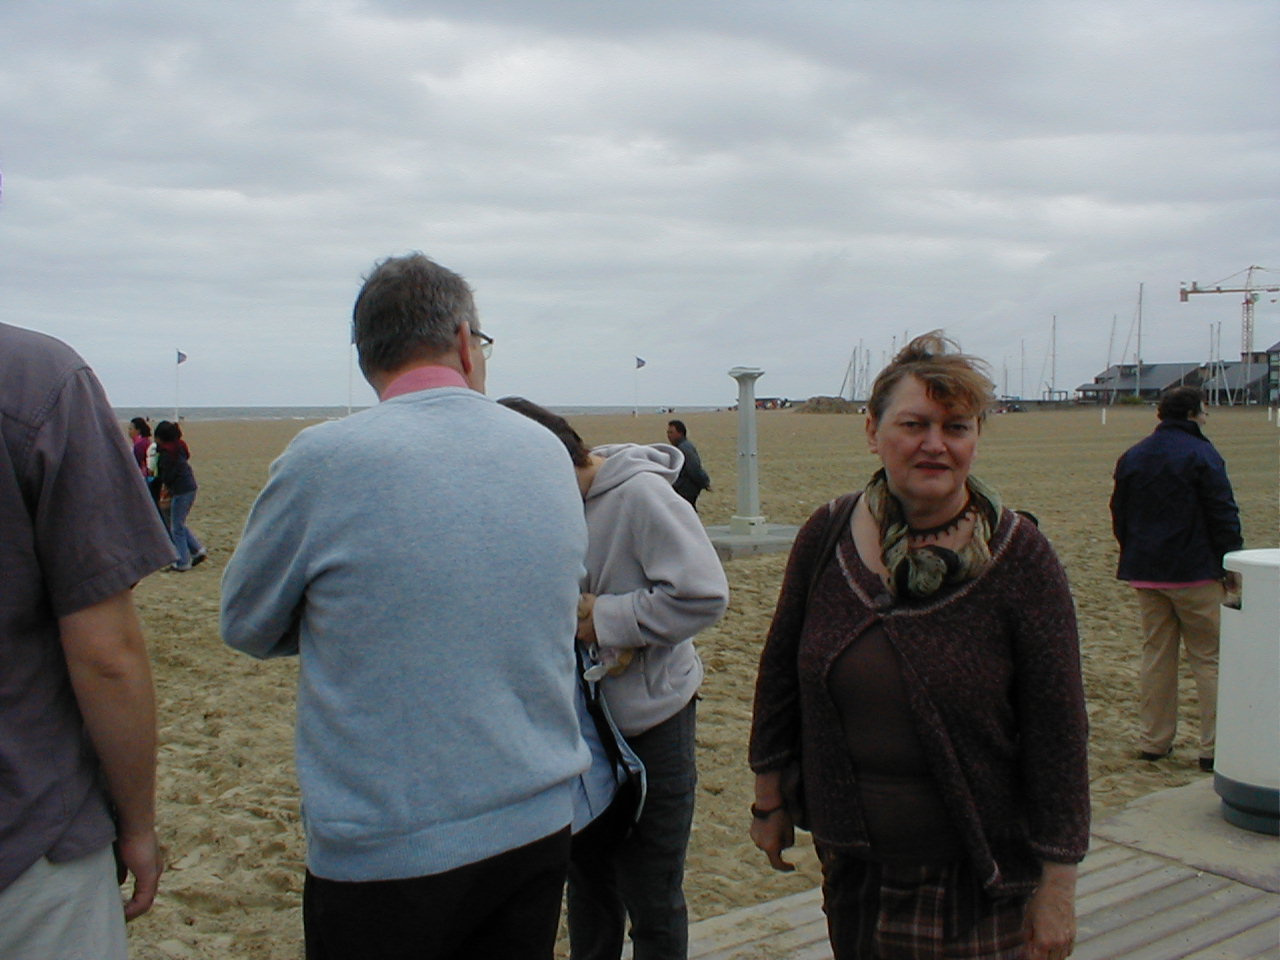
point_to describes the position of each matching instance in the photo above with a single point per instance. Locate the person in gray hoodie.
(653, 581)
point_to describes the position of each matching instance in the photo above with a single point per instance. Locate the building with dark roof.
(1238, 381)
(1146, 381)
(1273, 373)
(1253, 379)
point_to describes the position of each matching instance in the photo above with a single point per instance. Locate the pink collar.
(423, 378)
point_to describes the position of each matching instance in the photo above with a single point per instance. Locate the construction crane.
(1252, 293)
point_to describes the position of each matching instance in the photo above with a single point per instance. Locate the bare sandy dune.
(228, 797)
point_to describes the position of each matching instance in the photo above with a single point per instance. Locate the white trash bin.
(1247, 761)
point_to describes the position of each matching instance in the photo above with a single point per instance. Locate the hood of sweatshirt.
(622, 461)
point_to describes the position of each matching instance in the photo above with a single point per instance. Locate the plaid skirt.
(880, 911)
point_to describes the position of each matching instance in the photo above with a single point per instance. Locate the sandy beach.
(228, 807)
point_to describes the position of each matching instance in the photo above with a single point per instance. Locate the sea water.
(156, 414)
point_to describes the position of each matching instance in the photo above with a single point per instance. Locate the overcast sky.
(701, 183)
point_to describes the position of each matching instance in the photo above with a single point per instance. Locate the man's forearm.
(111, 676)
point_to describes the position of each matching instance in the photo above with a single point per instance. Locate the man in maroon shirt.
(77, 709)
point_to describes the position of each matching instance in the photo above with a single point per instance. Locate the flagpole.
(635, 387)
(181, 358)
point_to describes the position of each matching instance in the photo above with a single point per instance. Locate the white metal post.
(748, 519)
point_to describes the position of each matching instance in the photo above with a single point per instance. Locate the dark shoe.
(1206, 764)
(200, 558)
(1153, 757)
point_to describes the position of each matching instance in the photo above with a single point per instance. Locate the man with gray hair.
(422, 558)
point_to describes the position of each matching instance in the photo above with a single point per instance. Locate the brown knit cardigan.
(992, 674)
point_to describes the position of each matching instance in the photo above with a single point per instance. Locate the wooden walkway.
(1131, 903)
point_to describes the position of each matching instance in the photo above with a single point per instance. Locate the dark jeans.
(507, 906)
(642, 876)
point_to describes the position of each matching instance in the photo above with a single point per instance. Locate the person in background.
(144, 451)
(430, 588)
(610, 794)
(653, 581)
(693, 479)
(1175, 517)
(921, 680)
(174, 474)
(77, 708)
(140, 437)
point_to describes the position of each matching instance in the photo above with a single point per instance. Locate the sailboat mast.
(1053, 359)
(1111, 345)
(1137, 379)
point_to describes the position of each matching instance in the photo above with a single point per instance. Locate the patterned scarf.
(922, 572)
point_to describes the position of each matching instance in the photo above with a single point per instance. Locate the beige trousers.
(1192, 615)
(64, 911)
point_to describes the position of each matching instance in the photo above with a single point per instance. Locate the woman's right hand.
(774, 834)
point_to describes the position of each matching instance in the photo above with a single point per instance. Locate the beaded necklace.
(918, 572)
(923, 533)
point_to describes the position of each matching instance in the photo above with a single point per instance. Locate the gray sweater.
(657, 579)
(423, 558)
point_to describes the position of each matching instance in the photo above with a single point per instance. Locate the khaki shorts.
(71, 911)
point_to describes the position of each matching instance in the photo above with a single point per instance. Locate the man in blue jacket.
(1175, 518)
(422, 559)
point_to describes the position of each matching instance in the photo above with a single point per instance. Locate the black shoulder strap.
(841, 511)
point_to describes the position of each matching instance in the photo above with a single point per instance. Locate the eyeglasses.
(486, 343)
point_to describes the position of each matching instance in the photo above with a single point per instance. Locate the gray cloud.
(699, 183)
